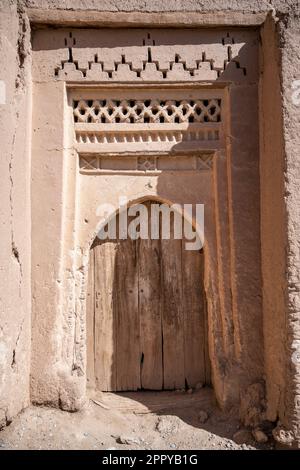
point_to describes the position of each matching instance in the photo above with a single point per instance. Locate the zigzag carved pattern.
(124, 69)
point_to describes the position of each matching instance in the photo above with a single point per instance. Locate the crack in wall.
(19, 85)
(14, 249)
(14, 361)
(5, 420)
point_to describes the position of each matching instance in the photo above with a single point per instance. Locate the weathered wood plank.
(172, 315)
(150, 312)
(105, 324)
(193, 312)
(127, 317)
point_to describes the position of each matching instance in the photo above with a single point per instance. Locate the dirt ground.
(140, 420)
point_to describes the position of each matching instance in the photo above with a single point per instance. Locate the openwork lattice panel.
(147, 120)
(147, 111)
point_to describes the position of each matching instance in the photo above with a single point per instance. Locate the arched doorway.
(146, 314)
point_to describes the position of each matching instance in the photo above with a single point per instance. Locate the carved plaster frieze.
(172, 125)
(139, 55)
(151, 164)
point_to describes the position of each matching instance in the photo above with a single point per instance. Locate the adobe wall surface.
(15, 295)
(221, 8)
(273, 222)
(279, 168)
(291, 135)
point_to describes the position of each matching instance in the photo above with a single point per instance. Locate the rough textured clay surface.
(48, 203)
(15, 297)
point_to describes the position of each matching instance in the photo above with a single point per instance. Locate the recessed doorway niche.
(168, 115)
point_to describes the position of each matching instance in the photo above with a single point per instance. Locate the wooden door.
(146, 315)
